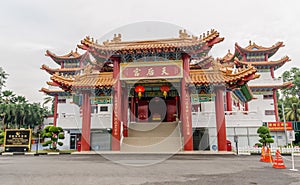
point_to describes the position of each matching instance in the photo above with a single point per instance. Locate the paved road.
(143, 169)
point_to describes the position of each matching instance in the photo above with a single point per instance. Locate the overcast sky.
(29, 27)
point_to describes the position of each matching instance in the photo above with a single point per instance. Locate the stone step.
(145, 141)
(147, 126)
(152, 137)
(154, 144)
(160, 131)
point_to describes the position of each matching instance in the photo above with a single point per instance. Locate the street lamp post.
(284, 121)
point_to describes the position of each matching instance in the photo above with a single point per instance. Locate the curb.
(7, 154)
(53, 153)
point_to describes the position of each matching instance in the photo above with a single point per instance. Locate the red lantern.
(139, 89)
(165, 89)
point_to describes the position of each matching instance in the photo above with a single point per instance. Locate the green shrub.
(61, 136)
(54, 133)
(264, 134)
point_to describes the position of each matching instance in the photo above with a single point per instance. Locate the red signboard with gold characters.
(279, 126)
(150, 70)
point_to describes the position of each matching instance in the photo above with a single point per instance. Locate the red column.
(55, 110)
(132, 109)
(245, 57)
(125, 112)
(228, 101)
(272, 72)
(117, 106)
(275, 105)
(220, 118)
(86, 122)
(185, 103)
(246, 106)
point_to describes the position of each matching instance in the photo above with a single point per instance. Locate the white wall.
(69, 117)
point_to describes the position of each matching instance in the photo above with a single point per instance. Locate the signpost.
(291, 138)
(17, 140)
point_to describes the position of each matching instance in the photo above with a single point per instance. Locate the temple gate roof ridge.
(209, 39)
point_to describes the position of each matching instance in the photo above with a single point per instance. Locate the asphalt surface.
(144, 169)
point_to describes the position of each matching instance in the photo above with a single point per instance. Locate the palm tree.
(292, 109)
(8, 97)
(20, 100)
(47, 100)
(3, 77)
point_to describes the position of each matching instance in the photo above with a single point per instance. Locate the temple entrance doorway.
(157, 109)
(153, 104)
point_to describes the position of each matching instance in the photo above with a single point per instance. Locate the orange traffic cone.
(263, 155)
(278, 162)
(268, 156)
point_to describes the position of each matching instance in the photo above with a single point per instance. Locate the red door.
(171, 110)
(143, 110)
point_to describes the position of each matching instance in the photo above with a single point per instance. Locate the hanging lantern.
(139, 89)
(165, 89)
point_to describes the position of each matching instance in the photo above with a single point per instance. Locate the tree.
(54, 133)
(16, 112)
(3, 77)
(264, 134)
(292, 109)
(8, 97)
(294, 76)
(2, 133)
(47, 100)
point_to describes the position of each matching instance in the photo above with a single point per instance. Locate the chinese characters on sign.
(279, 126)
(146, 70)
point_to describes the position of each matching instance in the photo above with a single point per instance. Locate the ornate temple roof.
(202, 63)
(221, 75)
(254, 48)
(73, 57)
(231, 59)
(62, 70)
(87, 80)
(264, 64)
(54, 92)
(185, 42)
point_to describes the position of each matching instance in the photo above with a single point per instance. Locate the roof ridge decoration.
(184, 40)
(183, 34)
(117, 38)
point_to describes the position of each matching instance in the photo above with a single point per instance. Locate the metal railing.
(257, 150)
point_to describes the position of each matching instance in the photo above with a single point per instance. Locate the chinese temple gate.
(153, 80)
